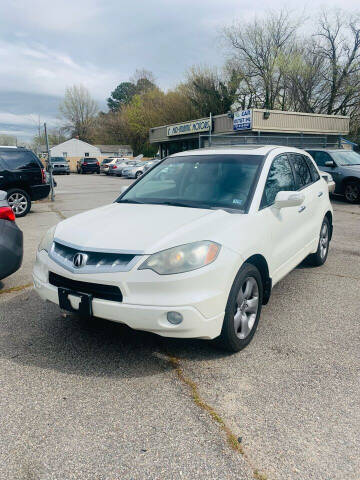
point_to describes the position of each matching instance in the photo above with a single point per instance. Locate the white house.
(75, 148)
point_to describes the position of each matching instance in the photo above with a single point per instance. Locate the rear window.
(19, 160)
(90, 160)
(107, 160)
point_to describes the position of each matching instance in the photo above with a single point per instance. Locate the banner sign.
(242, 120)
(189, 127)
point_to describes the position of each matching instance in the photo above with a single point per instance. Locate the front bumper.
(61, 170)
(200, 296)
(11, 248)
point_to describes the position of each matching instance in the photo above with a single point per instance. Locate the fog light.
(174, 317)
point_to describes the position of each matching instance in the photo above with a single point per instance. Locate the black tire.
(67, 173)
(352, 191)
(15, 195)
(230, 338)
(98, 173)
(138, 174)
(319, 258)
(82, 171)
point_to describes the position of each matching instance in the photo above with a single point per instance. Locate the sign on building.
(189, 127)
(242, 120)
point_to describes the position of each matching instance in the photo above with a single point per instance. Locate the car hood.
(143, 228)
(351, 170)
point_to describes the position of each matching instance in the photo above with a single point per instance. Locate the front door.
(287, 226)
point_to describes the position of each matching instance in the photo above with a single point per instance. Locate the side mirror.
(288, 199)
(123, 189)
(3, 195)
(330, 163)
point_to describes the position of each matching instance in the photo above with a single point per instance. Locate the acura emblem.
(80, 260)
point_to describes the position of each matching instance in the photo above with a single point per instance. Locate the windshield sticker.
(238, 201)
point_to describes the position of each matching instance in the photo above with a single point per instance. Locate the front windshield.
(346, 158)
(199, 181)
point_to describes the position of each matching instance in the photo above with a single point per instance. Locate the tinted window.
(19, 160)
(302, 172)
(313, 170)
(203, 181)
(320, 157)
(280, 178)
(90, 160)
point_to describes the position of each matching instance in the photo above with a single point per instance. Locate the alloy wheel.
(351, 192)
(18, 202)
(324, 240)
(246, 307)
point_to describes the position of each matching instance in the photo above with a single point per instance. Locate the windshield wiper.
(129, 201)
(182, 204)
(349, 164)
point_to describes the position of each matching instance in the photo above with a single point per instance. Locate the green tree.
(121, 96)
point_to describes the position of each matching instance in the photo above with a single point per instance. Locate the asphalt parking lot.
(96, 400)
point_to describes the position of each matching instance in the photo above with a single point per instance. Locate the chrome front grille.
(96, 261)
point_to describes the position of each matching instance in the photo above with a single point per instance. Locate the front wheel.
(243, 309)
(352, 192)
(319, 258)
(137, 174)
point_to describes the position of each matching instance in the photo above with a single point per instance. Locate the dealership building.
(252, 126)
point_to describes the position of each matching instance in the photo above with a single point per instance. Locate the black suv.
(88, 164)
(22, 176)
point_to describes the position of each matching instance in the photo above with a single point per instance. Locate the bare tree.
(338, 50)
(7, 139)
(259, 48)
(79, 111)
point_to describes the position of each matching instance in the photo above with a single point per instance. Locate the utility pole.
(49, 164)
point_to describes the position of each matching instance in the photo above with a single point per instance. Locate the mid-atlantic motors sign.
(242, 120)
(189, 127)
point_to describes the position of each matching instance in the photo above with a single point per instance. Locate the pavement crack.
(16, 289)
(57, 211)
(231, 438)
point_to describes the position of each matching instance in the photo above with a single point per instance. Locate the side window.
(20, 160)
(302, 172)
(280, 178)
(313, 170)
(320, 158)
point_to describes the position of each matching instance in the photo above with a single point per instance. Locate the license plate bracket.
(85, 305)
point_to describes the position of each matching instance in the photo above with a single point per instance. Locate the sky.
(46, 46)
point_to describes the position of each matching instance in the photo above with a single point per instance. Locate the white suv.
(193, 248)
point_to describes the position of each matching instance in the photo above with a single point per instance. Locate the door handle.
(320, 194)
(301, 209)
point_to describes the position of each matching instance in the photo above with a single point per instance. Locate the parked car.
(134, 171)
(59, 165)
(196, 255)
(117, 167)
(150, 164)
(105, 164)
(344, 167)
(11, 239)
(22, 176)
(88, 164)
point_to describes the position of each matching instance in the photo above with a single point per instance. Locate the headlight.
(183, 258)
(47, 240)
